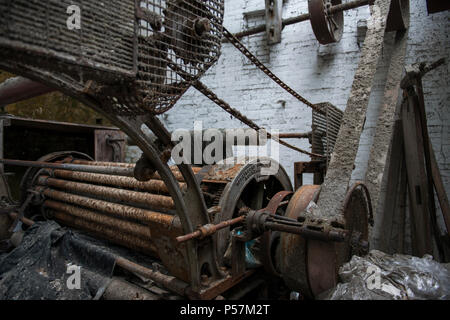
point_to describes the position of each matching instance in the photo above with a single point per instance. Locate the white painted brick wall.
(319, 73)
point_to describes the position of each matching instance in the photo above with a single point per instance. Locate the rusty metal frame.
(190, 205)
(230, 196)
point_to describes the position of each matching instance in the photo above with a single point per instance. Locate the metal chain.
(235, 113)
(235, 41)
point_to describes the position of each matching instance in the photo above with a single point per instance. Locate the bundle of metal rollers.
(117, 208)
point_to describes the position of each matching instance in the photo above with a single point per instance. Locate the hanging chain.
(235, 113)
(235, 42)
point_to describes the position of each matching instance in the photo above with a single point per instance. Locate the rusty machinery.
(133, 61)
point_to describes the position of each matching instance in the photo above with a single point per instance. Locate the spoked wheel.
(248, 189)
(28, 178)
(327, 27)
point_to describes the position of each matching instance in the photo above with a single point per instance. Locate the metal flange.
(327, 27)
(310, 266)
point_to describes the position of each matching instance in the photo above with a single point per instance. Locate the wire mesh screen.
(325, 129)
(178, 41)
(132, 56)
(103, 40)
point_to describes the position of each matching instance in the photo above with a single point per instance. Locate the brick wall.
(319, 73)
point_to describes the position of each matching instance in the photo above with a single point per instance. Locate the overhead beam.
(18, 89)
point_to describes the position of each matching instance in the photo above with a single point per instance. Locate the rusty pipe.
(209, 229)
(128, 227)
(118, 171)
(305, 135)
(176, 172)
(107, 233)
(149, 199)
(123, 211)
(169, 282)
(122, 164)
(18, 89)
(25, 221)
(102, 163)
(155, 186)
(303, 17)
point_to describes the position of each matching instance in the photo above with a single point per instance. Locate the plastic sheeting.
(379, 276)
(38, 268)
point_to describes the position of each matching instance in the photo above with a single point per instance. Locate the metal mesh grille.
(132, 56)
(325, 129)
(105, 41)
(178, 41)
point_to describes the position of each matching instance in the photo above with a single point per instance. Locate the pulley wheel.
(327, 28)
(398, 18)
(311, 266)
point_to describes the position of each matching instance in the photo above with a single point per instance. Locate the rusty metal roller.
(135, 214)
(327, 26)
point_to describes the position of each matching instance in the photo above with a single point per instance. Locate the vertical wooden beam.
(400, 211)
(417, 185)
(420, 102)
(389, 206)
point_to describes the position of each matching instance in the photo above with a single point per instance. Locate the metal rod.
(209, 229)
(107, 233)
(156, 186)
(307, 233)
(305, 135)
(303, 17)
(152, 200)
(17, 89)
(123, 211)
(128, 227)
(168, 282)
(118, 171)
(174, 169)
(26, 221)
(103, 163)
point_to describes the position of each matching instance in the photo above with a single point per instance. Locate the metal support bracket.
(274, 23)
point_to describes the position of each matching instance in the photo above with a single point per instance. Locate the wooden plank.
(400, 210)
(417, 187)
(385, 221)
(420, 102)
(434, 173)
(440, 190)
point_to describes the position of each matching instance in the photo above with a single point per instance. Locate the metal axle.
(303, 17)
